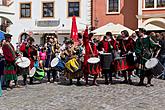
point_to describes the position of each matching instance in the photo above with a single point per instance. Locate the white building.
(44, 17)
(6, 14)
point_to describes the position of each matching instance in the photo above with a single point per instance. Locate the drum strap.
(124, 46)
(91, 49)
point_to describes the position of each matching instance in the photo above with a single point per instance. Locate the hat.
(7, 35)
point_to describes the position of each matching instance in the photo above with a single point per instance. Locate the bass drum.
(154, 66)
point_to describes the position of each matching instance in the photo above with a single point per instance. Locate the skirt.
(10, 72)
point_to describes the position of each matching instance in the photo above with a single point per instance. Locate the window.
(48, 9)
(25, 10)
(73, 9)
(160, 3)
(113, 6)
(149, 3)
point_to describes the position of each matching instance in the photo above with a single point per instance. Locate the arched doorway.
(160, 22)
(23, 37)
(5, 23)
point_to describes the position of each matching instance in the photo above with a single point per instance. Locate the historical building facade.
(42, 18)
(151, 12)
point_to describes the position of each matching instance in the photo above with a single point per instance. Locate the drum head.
(23, 62)
(105, 54)
(151, 63)
(93, 60)
(32, 72)
(54, 62)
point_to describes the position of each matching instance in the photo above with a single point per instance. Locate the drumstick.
(91, 49)
(157, 53)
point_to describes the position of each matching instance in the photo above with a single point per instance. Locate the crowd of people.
(122, 54)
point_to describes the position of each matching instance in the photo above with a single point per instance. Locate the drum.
(120, 64)
(131, 61)
(57, 64)
(23, 62)
(37, 73)
(93, 65)
(154, 66)
(72, 65)
(32, 72)
(106, 60)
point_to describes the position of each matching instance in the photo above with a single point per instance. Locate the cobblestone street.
(104, 97)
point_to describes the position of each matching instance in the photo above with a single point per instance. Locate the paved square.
(104, 97)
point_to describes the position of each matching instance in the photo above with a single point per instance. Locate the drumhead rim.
(23, 62)
(56, 60)
(93, 60)
(150, 64)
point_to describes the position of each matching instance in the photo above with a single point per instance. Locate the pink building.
(130, 13)
(116, 11)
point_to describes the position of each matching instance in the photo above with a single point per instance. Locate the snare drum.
(72, 65)
(57, 64)
(154, 66)
(106, 60)
(120, 64)
(93, 66)
(23, 62)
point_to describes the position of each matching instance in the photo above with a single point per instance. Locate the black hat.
(142, 30)
(7, 35)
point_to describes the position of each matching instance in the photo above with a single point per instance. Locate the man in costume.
(50, 51)
(30, 52)
(72, 67)
(143, 47)
(90, 51)
(10, 56)
(107, 45)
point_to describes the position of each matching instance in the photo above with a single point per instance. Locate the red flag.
(74, 31)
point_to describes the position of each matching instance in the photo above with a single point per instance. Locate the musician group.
(122, 54)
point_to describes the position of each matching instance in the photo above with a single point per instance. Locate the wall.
(127, 16)
(22, 25)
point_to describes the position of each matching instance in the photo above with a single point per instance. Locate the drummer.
(90, 51)
(124, 47)
(10, 56)
(107, 45)
(50, 52)
(143, 47)
(28, 51)
(70, 53)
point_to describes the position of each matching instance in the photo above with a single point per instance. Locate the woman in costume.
(90, 51)
(126, 47)
(10, 56)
